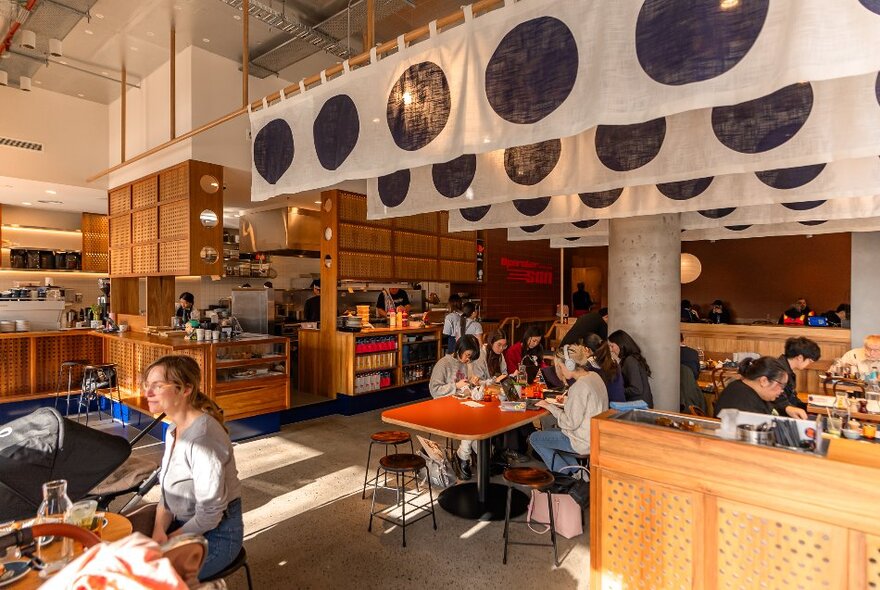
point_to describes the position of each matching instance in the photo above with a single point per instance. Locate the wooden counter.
(246, 376)
(672, 509)
(339, 374)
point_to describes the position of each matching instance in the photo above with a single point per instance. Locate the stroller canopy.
(43, 446)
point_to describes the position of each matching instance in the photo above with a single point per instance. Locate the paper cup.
(216, 334)
(200, 333)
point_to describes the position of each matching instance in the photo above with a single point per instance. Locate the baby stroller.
(44, 446)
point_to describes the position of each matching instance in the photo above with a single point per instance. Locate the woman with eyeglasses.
(199, 488)
(492, 364)
(762, 381)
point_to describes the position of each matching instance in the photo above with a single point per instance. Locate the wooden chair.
(695, 411)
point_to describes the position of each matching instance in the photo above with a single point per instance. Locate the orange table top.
(450, 417)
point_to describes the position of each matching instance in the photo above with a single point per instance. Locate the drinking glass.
(833, 425)
(55, 507)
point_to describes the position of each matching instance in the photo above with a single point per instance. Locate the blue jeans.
(224, 541)
(546, 441)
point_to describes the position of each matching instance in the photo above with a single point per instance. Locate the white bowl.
(852, 434)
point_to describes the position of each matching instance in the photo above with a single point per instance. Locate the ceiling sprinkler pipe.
(16, 24)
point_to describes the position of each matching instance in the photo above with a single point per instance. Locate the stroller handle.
(26, 535)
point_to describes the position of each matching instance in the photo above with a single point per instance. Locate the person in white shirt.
(585, 399)
(865, 359)
(451, 321)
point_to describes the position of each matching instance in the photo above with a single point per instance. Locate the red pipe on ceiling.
(13, 28)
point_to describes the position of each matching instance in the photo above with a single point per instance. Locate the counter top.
(773, 330)
(179, 342)
(382, 331)
(41, 333)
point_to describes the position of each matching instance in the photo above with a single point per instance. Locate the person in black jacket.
(634, 367)
(799, 354)
(595, 322)
(763, 380)
(312, 306)
(690, 358)
(718, 315)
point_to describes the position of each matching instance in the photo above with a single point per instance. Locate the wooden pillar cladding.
(245, 54)
(172, 99)
(328, 376)
(205, 194)
(160, 300)
(370, 28)
(122, 98)
(95, 246)
(124, 295)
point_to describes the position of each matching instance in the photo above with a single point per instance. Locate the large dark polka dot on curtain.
(627, 147)
(877, 83)
(601, 199)
(394, 187)
(813, 222)
(685, 189)
(764, 123)
(532, 71)
(530, 164)
(530, 229)
(531, 207)
(586, 224)
(273, 150)
(452, 178)
(572, 239)
(737, 227)
(872, 5)
(788, 178)
(717, 213)
(418, 106)
(683, 41)
(803, 205)
(473, 214)
(336, 130)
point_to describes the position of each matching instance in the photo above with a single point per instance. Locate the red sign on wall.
(526, 271)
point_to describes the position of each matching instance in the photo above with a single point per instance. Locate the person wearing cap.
(392, 298)
(312, 306)
(718, 315)
(185, 306)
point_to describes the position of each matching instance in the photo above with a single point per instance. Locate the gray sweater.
(481, 365)
(198, 476)
(446, 373)
(585, 399)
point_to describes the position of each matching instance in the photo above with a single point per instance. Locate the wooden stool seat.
(75, 363)
(402, 462)
(390, 437)
(532, 477)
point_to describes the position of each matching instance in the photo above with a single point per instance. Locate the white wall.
(73, 132)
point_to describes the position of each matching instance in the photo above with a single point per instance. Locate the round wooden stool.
(389, 438)
(401, 466)
(538, 480)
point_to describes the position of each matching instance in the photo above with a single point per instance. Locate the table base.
(463, 500)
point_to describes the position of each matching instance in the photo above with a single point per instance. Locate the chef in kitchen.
(312, 306)
(391, 298)
(185, 306)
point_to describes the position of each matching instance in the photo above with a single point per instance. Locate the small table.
(448, 416)
(117, 527)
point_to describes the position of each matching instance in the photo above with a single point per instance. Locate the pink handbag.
(567, 514)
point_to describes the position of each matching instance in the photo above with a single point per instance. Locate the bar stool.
(536, 479)
(239, 562)
(70, 366)
(401, 465)
(389, 438)
(99, 380)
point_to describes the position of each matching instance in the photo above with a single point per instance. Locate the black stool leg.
(402, 492)
(373, 499)
(69, 389)
(431, 497)
(367, 470)
(247, 572)
(507, 522)
(58, 385)
(552, 527)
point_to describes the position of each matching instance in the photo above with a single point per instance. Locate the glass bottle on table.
(54, 509)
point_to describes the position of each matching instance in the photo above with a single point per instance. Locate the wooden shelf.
(228, 363)
(391, 368)
(51, 271)
(416, 382)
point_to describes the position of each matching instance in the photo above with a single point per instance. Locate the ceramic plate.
(15, 570)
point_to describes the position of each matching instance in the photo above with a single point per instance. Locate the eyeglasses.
(782, 384)
(156, 385)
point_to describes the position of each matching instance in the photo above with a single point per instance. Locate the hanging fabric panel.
(799, 125)
(836, 180)
(738, 232)
(537, 70)
(825, 210)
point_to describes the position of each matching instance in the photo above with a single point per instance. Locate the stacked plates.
(6, 326)
(363, 311)
(22, 326)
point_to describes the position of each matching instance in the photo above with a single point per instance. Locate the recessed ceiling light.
(133, 48)
(50, 192)
(236, 16)
(26, 203)
(89, 32)
(99, 15)
(205, 40)
(80, 94)
(105, 73)
(151, 34)
(50, 202)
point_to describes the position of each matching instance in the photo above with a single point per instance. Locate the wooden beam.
(122, 120)
(370, 29)
(160, 300)
(245, 54)
(363, 58)
(173, 84)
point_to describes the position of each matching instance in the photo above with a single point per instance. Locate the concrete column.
(644, 295)
(865, 286)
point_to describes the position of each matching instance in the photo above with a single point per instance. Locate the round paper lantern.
(690, 268)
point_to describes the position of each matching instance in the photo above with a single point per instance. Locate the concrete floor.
(306, 525)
